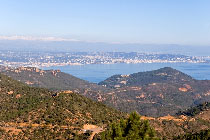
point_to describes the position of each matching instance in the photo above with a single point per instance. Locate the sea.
(98, 72)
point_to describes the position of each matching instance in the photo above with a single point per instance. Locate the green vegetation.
(163, 75)
(38, 113)
(156, 93)
(153, 93)
(50, 79)
(195, 110)
(169, 128)
(203, 135)
(130, 129)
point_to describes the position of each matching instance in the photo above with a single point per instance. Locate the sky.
(114, 21)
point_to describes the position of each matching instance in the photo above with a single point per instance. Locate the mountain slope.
(51, 79)
(155, 93)
(163, 75)
(196, 110)
(169, 126)
(28, 112)
(35, 113)
(202, 135)
(55, 80)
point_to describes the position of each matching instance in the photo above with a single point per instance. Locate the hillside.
(51, 79)
(163, 75)
(173, 126)
(179, 127)
(203, 135)
(36, 113)
(155, 93)
(196, 110)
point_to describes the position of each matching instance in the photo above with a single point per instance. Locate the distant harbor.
(49, 59)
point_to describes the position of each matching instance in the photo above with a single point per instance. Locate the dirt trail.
(95, 130)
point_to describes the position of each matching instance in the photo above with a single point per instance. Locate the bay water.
(99, 72)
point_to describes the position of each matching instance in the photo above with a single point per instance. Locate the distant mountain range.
(67, 45)
(153, 93)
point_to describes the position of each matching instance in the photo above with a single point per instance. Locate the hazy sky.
(124, 21)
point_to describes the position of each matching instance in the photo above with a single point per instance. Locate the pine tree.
(130, 129)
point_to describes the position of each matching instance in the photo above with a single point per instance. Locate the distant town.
(48, 59)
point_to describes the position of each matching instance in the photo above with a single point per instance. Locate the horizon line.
(67, 39)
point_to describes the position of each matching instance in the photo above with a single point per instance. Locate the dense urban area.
(47, 59)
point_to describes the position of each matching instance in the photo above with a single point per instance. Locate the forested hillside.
(35, 113)
(154, 93)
